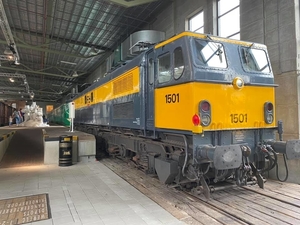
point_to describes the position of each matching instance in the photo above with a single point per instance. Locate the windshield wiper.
(246, 53)
(218, 52)
(264, 67)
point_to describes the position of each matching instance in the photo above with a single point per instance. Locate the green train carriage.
(59, 115)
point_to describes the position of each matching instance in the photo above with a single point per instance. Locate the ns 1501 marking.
(238, 118)
(172, 98)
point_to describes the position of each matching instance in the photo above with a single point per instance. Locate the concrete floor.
(85, 193)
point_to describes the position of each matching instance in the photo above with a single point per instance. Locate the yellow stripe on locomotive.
(125, 84)
(229, 107)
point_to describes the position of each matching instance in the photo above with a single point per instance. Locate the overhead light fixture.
(75, 74)
(12, 80)
(17, 62)
(95, 51)
(70, 63)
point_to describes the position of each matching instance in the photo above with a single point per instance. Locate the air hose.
(286, 169)
(275, 160)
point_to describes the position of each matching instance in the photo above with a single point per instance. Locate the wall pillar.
(276, 24)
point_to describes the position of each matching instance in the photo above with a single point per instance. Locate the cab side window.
(178, 63)
(164, 73)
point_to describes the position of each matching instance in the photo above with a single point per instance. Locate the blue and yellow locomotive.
(190, 109)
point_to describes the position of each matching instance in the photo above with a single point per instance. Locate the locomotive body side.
(112, 103)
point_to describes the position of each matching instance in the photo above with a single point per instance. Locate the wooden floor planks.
(278, 203)
(275, 209)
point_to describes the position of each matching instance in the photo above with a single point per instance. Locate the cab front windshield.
(209, 54)
(255, 60)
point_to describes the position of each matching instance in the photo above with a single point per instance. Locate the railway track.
(278, 203)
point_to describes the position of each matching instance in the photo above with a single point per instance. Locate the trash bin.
(65, 150)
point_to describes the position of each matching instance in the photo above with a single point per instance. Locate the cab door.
(149, 95)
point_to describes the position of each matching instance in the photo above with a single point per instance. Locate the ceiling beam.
(62, 40)
(39, 72)
(31, 66)
(131, 3)
(12, 98)
(57, 52)
(11, 88)
(47, 92)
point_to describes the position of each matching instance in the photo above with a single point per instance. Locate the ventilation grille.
(123, 110)
(123, 85)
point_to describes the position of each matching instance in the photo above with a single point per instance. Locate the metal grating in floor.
(24, 209)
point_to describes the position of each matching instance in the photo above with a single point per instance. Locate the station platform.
(88, 192)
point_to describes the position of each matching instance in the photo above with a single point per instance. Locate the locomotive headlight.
(205, 120)
(238, 83)
(269, 118)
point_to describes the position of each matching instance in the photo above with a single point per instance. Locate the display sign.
(71, 110)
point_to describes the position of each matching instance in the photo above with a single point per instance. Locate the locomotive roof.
(209, 37)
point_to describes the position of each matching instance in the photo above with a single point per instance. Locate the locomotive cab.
(223, 99)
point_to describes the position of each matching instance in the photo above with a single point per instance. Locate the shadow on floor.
(25, 149)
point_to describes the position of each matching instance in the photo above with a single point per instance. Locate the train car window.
(85, 99)
(92, 96)
(178, 63)
(210, 54)
(255, 60)
(164, 74)
(150, 71)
